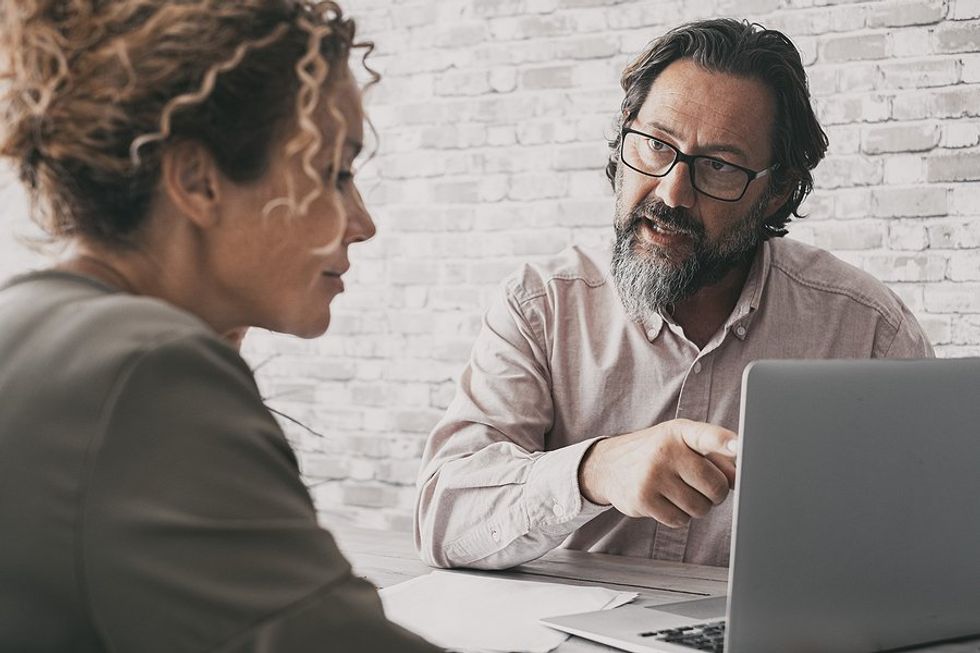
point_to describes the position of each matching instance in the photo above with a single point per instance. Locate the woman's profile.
(196, 157)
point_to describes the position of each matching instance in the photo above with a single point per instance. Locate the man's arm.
(908, 340)
(492, 496)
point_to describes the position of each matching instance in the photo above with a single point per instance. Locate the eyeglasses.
(713, 177)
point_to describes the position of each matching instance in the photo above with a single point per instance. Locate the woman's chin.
(306, 326)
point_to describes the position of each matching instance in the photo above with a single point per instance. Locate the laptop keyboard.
(702, 637)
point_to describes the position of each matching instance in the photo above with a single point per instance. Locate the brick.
(955, 167)
(578, 4)
(397, 472)
(851, 202)
(844, 139)
(957, 352)
(953, 298)
(847, 171)
(857, 77)
(905, 267)
(960, 135)
(938, 329)
(370, 496)
(903, 14)
(955, 234)
(850, 235)
(964, 9)
(748, 7)
(642, 15)
(503, 79)
(918, 137)
(965, 199)
(835, 110)
(914, 42)
(964, 266)
(548, 77)
(581, 157)
(460, 35)
(822, 79)
(910, 202)
(819, 205)
(966, 329)
(958, 38)
(856, 47)
(527, 27)
(462, 83)
(587, 47)
(919, 73)
(903, 169)
(907, 235)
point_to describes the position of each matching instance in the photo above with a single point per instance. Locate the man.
(598, 408)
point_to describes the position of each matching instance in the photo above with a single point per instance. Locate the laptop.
(856, 523)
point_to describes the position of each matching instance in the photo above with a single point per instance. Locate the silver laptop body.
(857, 514)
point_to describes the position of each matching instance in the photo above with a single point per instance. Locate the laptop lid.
(857, 506)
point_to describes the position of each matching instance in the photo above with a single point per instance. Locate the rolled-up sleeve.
(491, 493)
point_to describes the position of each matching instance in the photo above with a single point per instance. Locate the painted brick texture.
(491, 119)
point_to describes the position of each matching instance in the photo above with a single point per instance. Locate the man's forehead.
(709, 109)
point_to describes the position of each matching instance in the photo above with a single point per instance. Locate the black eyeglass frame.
(689, 159)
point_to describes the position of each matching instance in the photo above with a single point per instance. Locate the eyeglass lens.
(710, 176)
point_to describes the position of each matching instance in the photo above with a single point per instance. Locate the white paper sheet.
(468, 612)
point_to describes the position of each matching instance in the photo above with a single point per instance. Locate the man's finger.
(708, 438)
(706, 477)
(726, 465)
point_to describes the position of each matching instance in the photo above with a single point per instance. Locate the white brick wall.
(492, 117)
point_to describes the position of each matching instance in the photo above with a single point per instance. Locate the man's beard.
(652, 279)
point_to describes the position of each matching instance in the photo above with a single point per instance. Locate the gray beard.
(649, 282)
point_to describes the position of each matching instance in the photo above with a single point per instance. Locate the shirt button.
(558, 510)
(651, 334)
(697, 367)
(495, 535)
(740, 331)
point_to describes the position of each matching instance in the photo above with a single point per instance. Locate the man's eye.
(720, 166)
(655, 145)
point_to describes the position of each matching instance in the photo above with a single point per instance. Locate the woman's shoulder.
(76, 339)
(53, 311)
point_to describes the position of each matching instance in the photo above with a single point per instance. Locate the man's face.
(672, 240)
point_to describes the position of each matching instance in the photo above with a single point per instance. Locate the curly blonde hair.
(91, 91)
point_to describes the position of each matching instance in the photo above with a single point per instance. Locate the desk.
(389, 558)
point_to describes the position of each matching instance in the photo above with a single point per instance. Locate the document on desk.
(477, 613)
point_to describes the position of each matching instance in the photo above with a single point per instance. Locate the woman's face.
(281, 271)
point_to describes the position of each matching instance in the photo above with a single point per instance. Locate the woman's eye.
(344, 177)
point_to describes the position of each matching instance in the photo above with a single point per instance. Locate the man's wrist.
(589, 476)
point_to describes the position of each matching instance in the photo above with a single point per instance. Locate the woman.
(196, 156)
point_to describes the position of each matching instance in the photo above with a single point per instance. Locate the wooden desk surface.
(389, 558)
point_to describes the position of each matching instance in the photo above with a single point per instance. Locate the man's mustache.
(678, 219)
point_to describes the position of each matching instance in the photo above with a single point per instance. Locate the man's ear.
(191, 180)
(781, 195)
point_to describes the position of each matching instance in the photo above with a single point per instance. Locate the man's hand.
(672, 472)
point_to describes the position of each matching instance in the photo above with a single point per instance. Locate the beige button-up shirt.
(558, 364)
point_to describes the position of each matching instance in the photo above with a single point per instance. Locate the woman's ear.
(191, 180)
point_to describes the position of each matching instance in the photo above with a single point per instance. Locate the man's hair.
(747, 50)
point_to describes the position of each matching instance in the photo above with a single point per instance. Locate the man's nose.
(675, 189)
